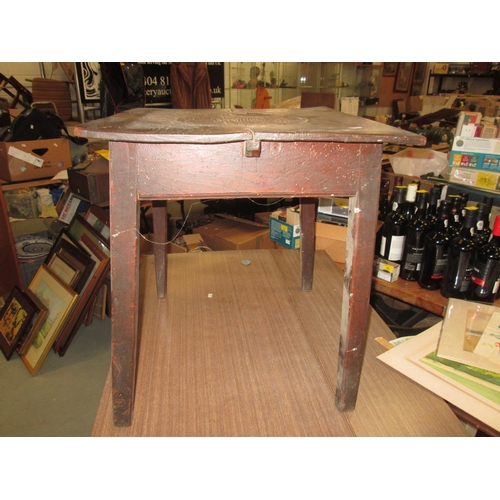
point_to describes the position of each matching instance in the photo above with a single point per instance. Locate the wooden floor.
(239, 350)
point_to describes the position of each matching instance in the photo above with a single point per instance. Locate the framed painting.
(37, 322)
(403, 77)
(75, 256)
(59, 299)
(80, 226)
(85, 301)
(64, 269)
(390, 69)
(15, 318)
(98, 218)
(419, 74)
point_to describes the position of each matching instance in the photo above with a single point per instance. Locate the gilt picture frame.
(390, 69)
(403, 78)
(59, 299)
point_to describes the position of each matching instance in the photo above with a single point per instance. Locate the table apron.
(290, 169)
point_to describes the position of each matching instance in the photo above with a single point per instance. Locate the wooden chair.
(54, 95)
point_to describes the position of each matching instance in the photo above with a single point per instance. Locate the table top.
(207, 126)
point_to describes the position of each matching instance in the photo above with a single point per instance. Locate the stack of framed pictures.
(88, 234)
(70, 282)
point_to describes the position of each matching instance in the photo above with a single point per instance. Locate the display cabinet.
(463, 83)
(286, 80)
(244, 77)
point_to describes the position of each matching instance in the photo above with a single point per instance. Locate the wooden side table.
(163, 154)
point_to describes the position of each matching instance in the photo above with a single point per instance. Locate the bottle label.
(485, 274)
(397, 248)
(438, 271)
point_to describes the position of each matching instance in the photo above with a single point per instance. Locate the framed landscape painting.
(59, 299)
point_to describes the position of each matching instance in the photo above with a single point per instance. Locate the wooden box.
(92, 183)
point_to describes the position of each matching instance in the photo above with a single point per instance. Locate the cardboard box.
(385, 270)
(29, 160)
(91, 183)
(332, 239)
(284, 234)
(475, 153)
(188, 243)
(414, 104)
(232, 233)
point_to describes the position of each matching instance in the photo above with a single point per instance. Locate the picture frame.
(63, 269)
(419, 73)
(66, 248)
(59, 299)
(15, 319)
(403, 77)
(87, 296)
(98, 218)
(80, 226)
(390, 69)
(37, 322)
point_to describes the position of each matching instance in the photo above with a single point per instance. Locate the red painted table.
(163, 154)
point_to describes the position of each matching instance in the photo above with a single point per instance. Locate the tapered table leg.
(124, 221)
(307, 221)
(362, 223)
(160, 249)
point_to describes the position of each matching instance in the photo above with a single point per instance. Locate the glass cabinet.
(287, 80)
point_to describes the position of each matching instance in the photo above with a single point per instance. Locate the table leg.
(124, 220)
(307, 221)
(362, 223)
(159, 248)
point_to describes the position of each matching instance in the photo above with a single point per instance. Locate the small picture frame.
(403, 77)
(75, 256)
(15, 319)
(64, 269)
(59, 299)
(390, 69)
(98, 218)
(80, 226)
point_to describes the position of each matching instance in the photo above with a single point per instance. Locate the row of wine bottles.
(443, 244)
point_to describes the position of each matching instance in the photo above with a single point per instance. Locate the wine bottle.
(458, 272)
(455, 215)
(434, 194)
(411, 194)
(483, 231)
(394, 229)
(384, 202)
(435, 255)
(415, 236)
(486, 271)
(464, 199)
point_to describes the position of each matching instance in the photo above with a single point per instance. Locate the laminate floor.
(239, 350)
